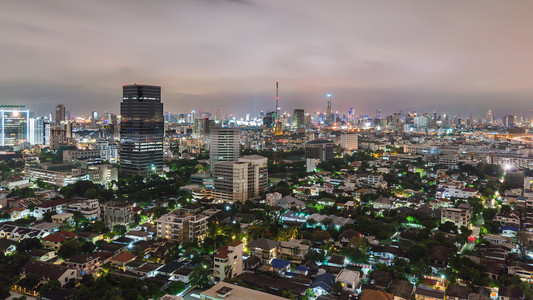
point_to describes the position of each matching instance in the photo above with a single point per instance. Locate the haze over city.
(449, 56)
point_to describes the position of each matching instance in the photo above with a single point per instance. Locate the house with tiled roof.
(54, 241)
(457, 292)
(85, 264)
(369, 294)
(122, 259)
(425, 292)
(265, 249)
(48, 271)
(323, 284)
(57, 206)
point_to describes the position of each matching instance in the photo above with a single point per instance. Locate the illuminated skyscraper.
(36, 130)
(329, 119)
(490, 117)
(60, 113)
(508, 121)
(225, 144)
(142, 130)
(278, 130)
(14, 124)
(298, 119)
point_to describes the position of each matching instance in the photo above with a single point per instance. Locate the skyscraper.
(60, 113)
(508, 121)
(490, 117)
(329, 119)
(225, 144)
(14, 124)
(278, 130)
(142, 130)
(298, 119)
(36, 129)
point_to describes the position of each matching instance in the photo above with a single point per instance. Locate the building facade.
(349, 141)
(242, 180)
(182, 226)
(14, 121)
(142, 130)
(225, 145)
(228, 261)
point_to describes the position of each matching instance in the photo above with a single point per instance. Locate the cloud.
(394, 55)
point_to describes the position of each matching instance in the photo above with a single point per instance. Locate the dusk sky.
(454, 56)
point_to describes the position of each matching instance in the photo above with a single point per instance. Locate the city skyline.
(429, 55)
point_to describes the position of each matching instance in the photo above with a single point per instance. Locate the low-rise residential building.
(228, 291)
(49, 271)
(293, 249)
(458, 216)
(423, 292)
(85, 264)
(348, 279)
(57, 206)
(57, 175)
(116, 213)
(265, 249)
(228, 261)
(401, 289)
(63, 218)
(89, 208)
(54, 241)
(122, 259)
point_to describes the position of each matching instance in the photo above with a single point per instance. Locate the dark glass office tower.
(141, 131)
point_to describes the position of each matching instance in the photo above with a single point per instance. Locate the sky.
(453, 56)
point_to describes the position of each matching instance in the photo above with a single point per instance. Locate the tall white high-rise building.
(225, 144)
(36, 129)
(349, 141)
(239, 181)
(490, 117)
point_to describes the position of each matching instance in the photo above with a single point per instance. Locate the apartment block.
(228, 261)
(182, 225)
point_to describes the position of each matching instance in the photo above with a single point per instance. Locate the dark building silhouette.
(141, 131)
(60, 113)
(320, 149)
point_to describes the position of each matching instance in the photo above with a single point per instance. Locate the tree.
(448, 227)
(315, 255)
(199, 277)
(158, 212)
(523, 243)
(311, 222)
(98, 227)
(176, 287)
(288, 294)
(47, 216)
(120, 229)
(49, 286)
(78, 219)
(69, 248)
(337, 288)
(26, 245)
(418, 253)
(327, 222)
(25, 221)
(359, 243)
